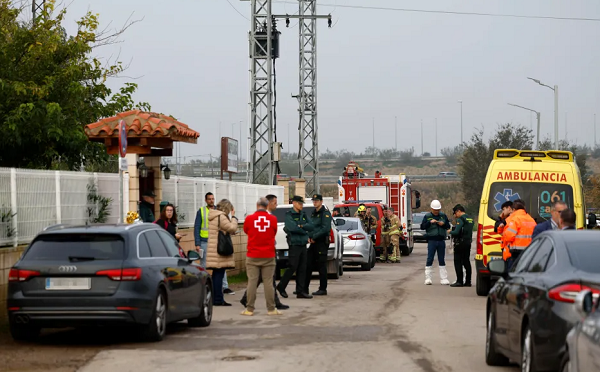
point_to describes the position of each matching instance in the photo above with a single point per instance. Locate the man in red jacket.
(261, 228)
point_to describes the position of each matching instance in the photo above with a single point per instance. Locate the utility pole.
(436, 138)
(461, 123)
(373, 146)
(264, 49)
(37, 6)
(421, 137)
(396, 133)
(262, 37)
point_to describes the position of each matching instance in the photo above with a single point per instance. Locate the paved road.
(378, 320)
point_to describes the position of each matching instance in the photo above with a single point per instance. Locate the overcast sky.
(192, 57)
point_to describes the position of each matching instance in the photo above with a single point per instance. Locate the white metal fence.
(187, 193)
(31, 200)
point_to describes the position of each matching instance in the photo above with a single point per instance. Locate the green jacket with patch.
(463, 232)
(321, 222)
(297, 235)
(433, 231)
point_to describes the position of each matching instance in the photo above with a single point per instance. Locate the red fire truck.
(356, 187)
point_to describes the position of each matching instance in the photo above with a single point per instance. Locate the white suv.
(335, 263)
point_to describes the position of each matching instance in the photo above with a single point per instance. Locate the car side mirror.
(497, 267)
(584, 302)
(193, 256)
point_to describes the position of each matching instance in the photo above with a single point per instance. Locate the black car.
(583, 342)
(98, 275)
(530, 309)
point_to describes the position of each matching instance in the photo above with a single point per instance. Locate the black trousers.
(316, 258)
(277, 301)
(462, 255)
(297, 264)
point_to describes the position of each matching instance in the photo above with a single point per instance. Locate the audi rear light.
(331, 237)
(568, 292)
(479, 239)
(356, 237)
(123, 275)
(16, 275)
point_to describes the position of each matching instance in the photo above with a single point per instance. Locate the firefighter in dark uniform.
(462, 235)
(319, 245)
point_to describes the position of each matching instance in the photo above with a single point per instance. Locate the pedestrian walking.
(218, 220)
(297, 226)
(517, 235)
(201, 226)
(319, 245)
(463, 237)
(435, 224)
(280, 306)
(261, 228)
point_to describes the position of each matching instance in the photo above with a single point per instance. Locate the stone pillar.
(134, 182)
(154, 163)
(300, 187)
(285, 182)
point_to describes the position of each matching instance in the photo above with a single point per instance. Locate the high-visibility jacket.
(517, 234)
(204, 211)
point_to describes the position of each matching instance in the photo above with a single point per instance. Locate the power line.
(238, 12)
(364, 7)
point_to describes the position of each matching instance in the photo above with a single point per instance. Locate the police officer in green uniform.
(297, 226)
(462, 236)
(319, 244)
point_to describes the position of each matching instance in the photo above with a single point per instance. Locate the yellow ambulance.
(540, 178)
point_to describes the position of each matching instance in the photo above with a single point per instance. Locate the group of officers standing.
(391, 231)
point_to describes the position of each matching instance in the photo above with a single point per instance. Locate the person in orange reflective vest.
(507, 209)
(518, 232)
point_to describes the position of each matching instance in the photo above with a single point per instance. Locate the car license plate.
(68, 284)
(285, 253)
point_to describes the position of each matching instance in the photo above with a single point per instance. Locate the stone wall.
(9, 256)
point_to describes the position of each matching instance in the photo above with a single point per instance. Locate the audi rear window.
(76, 247)
(585, 255)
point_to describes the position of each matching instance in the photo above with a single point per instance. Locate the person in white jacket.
(435, 224)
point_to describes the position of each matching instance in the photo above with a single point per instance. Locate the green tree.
(579, 152)
(51, 87)
(478, 153)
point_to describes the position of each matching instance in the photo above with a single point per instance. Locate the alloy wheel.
(526, 352)
(161, 321)
(208, 303)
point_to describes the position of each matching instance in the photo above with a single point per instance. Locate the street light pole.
(461, 123)
(396, 133)
(436, 136)
(537, 142)
(421, 137)
(555, 89)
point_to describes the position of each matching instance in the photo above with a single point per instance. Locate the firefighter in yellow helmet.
(395, 230)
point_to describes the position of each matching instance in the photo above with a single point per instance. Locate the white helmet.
(436, 205)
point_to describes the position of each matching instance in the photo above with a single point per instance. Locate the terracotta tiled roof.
(141, 124)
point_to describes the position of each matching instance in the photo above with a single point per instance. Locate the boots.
(428, 275)
(444, 276)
